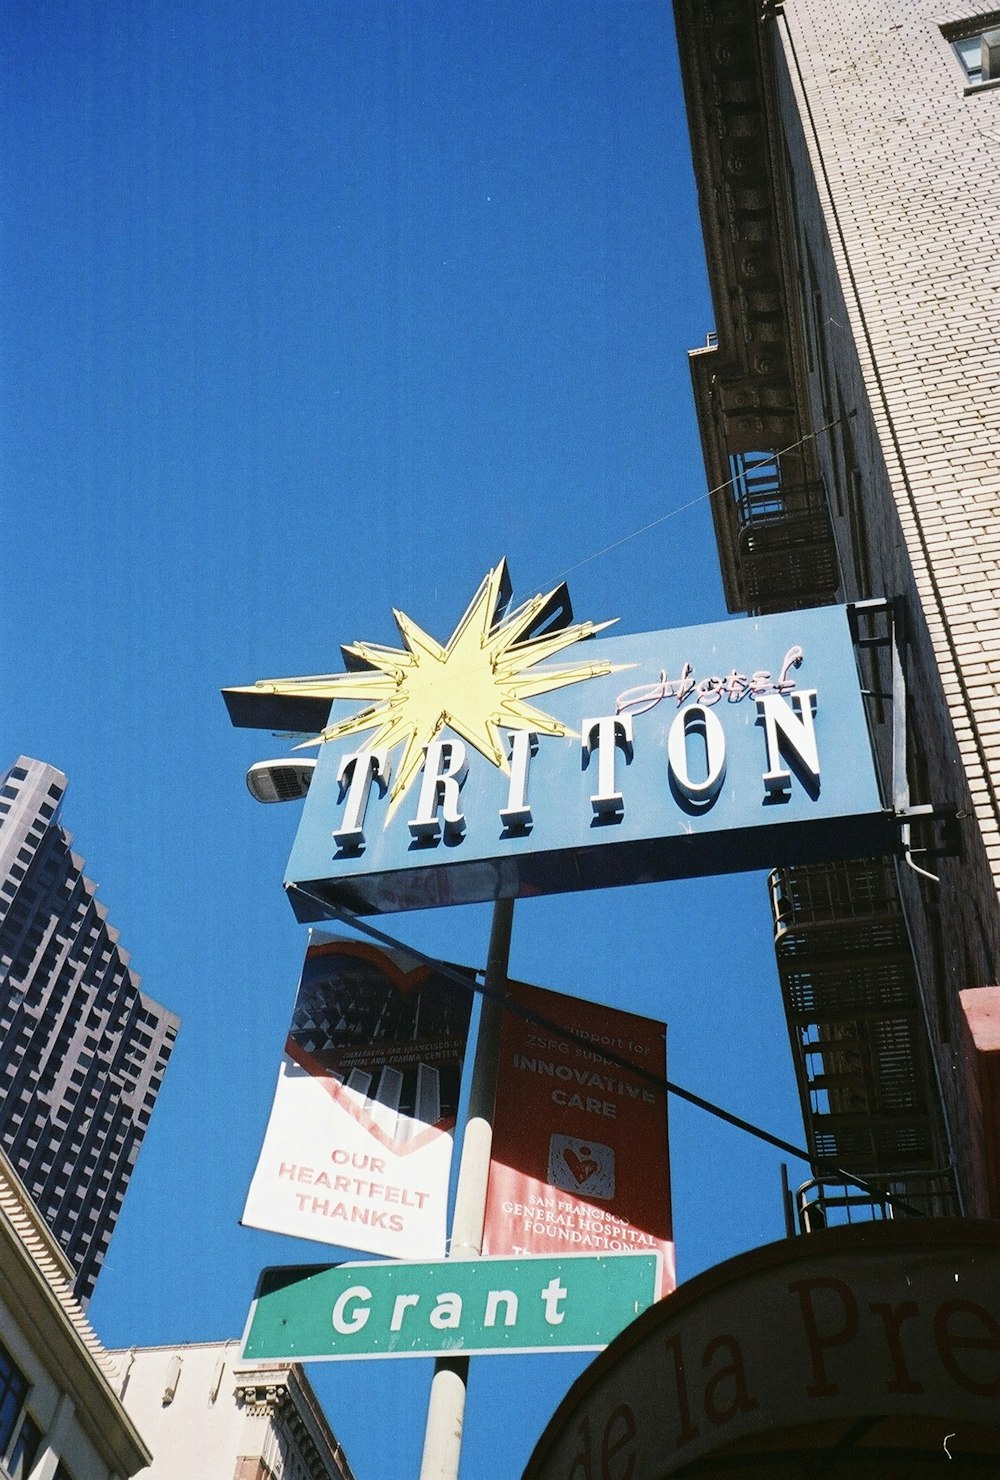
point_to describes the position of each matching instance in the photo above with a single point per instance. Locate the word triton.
(789, 732)
(765, 763)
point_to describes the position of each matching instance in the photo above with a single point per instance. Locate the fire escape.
(859, 1043)
(852, 1000)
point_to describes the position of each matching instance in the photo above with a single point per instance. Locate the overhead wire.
(816, 1165)
(683, 508)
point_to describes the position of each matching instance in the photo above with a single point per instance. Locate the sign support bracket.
(903, 811)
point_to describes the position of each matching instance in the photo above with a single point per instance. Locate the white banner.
(358, 1146)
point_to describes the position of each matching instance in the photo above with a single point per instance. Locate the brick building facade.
(846, 164)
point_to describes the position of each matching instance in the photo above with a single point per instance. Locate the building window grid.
(94, 985)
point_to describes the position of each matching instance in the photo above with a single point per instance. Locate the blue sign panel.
(702, 750)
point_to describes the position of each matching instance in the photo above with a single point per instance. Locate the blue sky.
(315, 311)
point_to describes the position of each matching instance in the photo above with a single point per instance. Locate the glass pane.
(13, 1389)
(10, 1407)
(25, 1450)
(970, 53)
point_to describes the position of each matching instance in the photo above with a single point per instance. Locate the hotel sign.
(713, 749)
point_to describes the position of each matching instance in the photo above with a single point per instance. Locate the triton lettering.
(694, 772)
(530, 754)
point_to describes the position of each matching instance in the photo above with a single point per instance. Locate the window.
(756, 481)
(25, 1451)
(13, 1389)
(978, 50)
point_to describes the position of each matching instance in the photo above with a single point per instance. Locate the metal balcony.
(827, 1202)
(783, 542)
(855, 1021)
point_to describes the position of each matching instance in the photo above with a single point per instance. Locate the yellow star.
(478, 682)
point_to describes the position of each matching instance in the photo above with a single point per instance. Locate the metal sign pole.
(446, 1406)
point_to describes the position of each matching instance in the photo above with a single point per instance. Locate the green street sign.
(484, 1306)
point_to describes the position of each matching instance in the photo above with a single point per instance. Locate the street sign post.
(448, 1307)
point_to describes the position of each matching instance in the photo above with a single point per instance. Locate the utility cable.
(817, 1166)
(682, 508)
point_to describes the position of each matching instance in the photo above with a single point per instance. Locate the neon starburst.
(477, 684)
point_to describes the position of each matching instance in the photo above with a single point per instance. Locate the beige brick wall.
(896, 205)
(912, 165)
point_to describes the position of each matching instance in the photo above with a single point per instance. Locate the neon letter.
(611, 731)
(517, 813)
(357, 772)
(445, 766)
(787, 732)
(698, 720)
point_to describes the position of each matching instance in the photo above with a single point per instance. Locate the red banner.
(580, 1162)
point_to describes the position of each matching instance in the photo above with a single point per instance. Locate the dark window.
(25, 1450)
(13, 1390)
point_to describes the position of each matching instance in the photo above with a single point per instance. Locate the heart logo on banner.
(403, 982)
(583, 1167)
(581, 1163)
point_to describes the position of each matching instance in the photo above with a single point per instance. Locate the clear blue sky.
(314, 310)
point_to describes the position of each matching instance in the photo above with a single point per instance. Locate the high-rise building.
(82, 1050)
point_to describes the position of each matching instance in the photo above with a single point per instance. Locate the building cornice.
(284, 1393)
(35, 1284)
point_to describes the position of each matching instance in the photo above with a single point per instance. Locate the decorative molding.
(285, 1398)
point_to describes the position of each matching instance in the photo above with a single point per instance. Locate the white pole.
(446, 1406)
